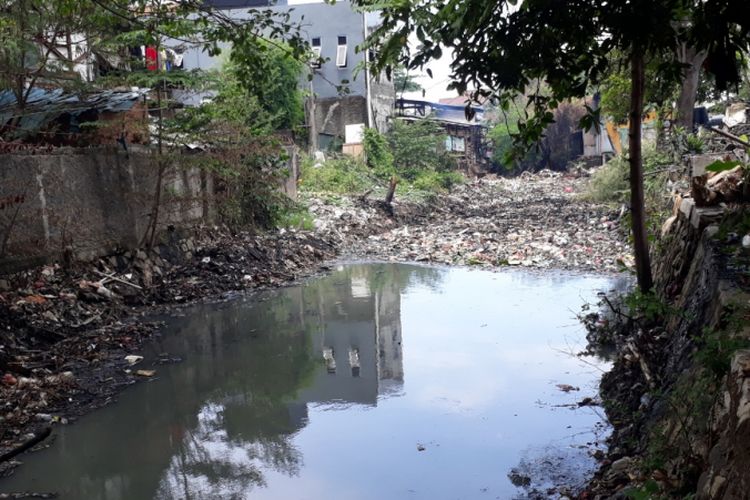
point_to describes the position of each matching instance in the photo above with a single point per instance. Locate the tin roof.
(45, 106)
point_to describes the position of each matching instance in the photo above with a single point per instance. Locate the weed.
(337, 175)
(297, 217)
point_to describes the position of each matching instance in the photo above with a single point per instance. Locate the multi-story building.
(344, 91)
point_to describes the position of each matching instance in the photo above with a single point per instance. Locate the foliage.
(242, 153)
(297, 217)
(659, 91)
(504, 49)
(646, 306)
(378, 153)
(717, 345)
(404, 82)
(433, 181)
(337, 175)
(609, 184)
(682, 142)
(275, 84)
(417, 146)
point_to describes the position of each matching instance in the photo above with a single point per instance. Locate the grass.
(347, 175)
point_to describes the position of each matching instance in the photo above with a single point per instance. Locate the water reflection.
(303, 393)
(350, 325)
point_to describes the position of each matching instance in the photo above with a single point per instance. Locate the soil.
(67, 330)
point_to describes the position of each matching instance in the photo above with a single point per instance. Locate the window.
(454, 143)
(341, 52)
(316, 47)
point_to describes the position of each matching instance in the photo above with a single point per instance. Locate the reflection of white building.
(359, 345)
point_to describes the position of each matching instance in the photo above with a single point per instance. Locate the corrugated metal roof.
(440, 112)
(44, 106)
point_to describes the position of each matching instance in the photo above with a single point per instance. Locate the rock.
(519, 480)
(105, 292)
(621, 466)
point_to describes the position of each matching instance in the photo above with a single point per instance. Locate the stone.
(667, 226)
(716, 486)
(686, 207)
(698, 163)
(621, 466)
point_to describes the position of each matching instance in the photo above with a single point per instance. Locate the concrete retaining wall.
(86, 203)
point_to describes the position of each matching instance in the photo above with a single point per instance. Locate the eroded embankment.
(679, 393)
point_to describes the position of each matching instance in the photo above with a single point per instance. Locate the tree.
(404, 82)
(503, 47)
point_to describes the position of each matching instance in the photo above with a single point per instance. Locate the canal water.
(379, 381)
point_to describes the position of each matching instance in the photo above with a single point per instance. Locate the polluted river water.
(378, 381)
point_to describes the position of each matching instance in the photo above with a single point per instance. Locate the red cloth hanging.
(152, 59)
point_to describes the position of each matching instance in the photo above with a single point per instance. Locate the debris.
(30, 443)
(133, 359)
(421, 447)
(746, 241)
(60, 378)
(524, 221)
(145, 373)
(567, 387)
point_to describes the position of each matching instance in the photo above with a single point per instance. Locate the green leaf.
(721, 165)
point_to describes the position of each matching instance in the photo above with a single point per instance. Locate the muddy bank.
(67, 332)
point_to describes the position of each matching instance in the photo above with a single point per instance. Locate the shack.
(464, 128)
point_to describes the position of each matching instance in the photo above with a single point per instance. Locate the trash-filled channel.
(377, 381)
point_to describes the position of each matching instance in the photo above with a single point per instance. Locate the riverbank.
(678, 395)
(71, 333)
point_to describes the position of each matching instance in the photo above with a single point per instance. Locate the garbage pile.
(534, 220)
(69, 334)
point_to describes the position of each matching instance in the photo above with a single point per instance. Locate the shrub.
(378, 153)
(338, 175)
(416, 146)
(432, 181)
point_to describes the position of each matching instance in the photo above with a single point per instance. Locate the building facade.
(344, 91)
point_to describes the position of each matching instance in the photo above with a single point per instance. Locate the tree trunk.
(690, 78)
(391, 191)
(637, 206)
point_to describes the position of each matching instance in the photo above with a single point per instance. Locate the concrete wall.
(92, 202)
(332, 115)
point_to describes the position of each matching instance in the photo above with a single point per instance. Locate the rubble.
(534, 220)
